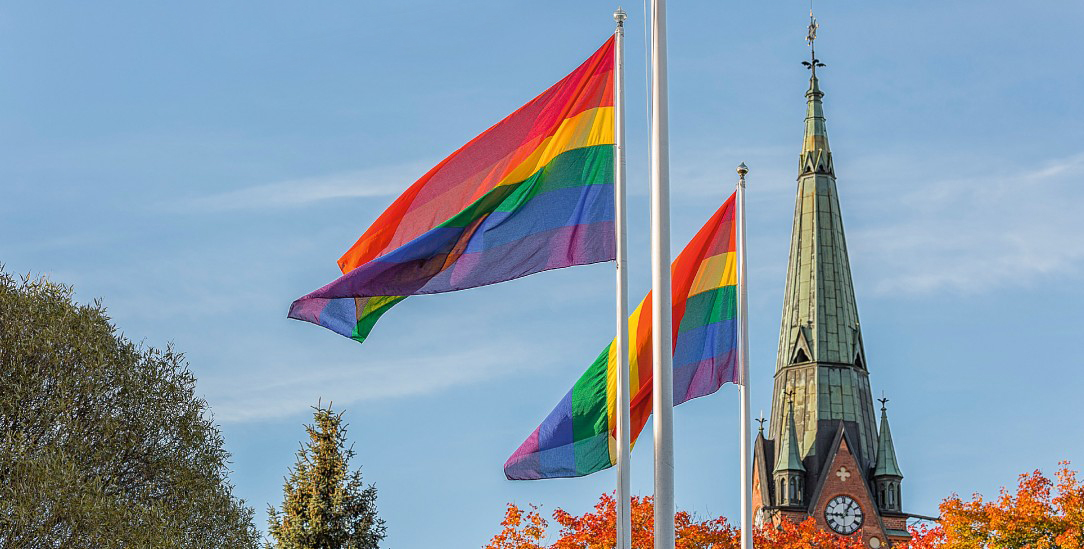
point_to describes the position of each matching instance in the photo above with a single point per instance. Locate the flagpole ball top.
(742, 169)
(620, 16)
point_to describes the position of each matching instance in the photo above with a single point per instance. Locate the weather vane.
(761, 421)
(883, 401)
(810, 38)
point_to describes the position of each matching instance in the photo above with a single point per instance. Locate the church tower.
(824, 456)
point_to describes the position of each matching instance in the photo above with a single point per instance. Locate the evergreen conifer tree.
(325, 505)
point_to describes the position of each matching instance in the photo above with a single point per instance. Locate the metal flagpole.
(743, 364)
(624, 421)
(661, 316)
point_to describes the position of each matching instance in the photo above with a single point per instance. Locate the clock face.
(843, 515)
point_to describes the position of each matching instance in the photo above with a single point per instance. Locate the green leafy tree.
(325, 505)
(103, 443)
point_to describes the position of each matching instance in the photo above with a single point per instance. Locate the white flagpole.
(624, 421)
(743, 364)
(661, 317)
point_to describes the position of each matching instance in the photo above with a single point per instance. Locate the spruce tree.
(325, 505)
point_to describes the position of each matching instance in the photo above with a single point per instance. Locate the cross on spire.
(883, 401)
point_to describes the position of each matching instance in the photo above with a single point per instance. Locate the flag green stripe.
(575, 168)
(589, 411)
(374, 308)
(709, 307)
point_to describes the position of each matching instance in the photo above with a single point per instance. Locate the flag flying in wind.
(532, 193)
(578, 437)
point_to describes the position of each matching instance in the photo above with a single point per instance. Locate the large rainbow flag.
(578, 437)
(534, 192)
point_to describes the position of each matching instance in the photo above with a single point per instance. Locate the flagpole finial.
(620, 17)
(742, 170)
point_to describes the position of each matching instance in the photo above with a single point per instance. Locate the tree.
(103, 442)
(595, 530)
(325, 506)
(1040, 514)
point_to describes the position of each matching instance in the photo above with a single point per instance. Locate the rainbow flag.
(578, 437)
(532, 193)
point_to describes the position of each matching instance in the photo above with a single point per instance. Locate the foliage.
(103, 442)
(595, 530)
(1041, 514)
(790, 535)
(325, 506)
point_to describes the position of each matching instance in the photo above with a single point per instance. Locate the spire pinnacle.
(816, 156)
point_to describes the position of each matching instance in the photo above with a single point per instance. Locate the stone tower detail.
(823, 456)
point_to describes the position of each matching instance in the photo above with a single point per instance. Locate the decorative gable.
(842, 488)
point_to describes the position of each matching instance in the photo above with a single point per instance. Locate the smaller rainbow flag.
(579, 436)
(532, 193)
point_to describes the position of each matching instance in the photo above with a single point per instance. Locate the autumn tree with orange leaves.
(596, 530)
(1042, 513)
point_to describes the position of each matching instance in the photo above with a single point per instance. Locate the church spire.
(821, 356)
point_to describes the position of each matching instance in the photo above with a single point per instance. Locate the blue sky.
(199, 165)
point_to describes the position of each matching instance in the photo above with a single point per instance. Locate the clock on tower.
(843, 515)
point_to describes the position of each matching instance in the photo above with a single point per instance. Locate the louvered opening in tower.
(800, 356)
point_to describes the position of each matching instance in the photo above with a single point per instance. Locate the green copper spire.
(788, 458)
(886, 451)
(821, 357)
(816, 156)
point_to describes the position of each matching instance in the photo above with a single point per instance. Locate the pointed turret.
(886, 473)
(789, 473)
(821, 356)
(788, 459)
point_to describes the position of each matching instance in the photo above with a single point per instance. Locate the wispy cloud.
(295, 193)
(350, 383)
(976, 234)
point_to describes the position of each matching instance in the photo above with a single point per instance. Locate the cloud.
(297, 193)
(381, 379)
(975, 234)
